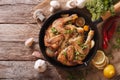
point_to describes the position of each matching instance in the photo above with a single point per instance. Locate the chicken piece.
(54, 42)
(77, 40)
(83, 49)
(89, 37)
(59, 23)
(79, 54)
(87, 43)
(80, 30)
(48, 35)
(70, 27)
(55, 39)
(70, 53)
(66, 55)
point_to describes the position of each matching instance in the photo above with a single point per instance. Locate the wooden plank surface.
(17, 11)
(16, 60)
(16, 25)
(18, 32)
(23, 70)
(15, 51)
(14, 2)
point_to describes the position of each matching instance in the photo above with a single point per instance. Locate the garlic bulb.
(40, 65)
(71, 4)
(55, 4)
(80, 3)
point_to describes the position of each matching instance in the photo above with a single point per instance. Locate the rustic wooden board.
(12, 2)
(24, 70)
(45, 6)
(16, 60)
(18, 32)
(16, 51)
(12, 38)
(13, 11)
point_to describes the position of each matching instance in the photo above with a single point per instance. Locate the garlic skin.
(80, 3)
(40, 65)
(55, 4)
(71, 4)
(37, 54)
(29, 42)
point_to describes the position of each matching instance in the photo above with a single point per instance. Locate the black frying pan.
(88, 22)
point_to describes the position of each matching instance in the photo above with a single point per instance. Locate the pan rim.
(42, 33)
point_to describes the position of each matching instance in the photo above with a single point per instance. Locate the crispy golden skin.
(66, 42)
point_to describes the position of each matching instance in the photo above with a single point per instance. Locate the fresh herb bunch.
(99, 7)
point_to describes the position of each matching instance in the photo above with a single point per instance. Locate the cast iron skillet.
(88, 22)
(58, 15)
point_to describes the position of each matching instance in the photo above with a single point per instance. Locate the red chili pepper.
(105, 45)
(108, 30)
(112, 30)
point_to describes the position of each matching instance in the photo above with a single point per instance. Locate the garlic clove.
(55, 4)
(40, 65)
(80, 3)
(71, 4)
(37, 54)
(29, 42)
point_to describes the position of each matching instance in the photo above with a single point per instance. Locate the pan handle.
(108, 14)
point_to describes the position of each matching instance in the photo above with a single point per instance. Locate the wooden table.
(16, 60)
(17, 25)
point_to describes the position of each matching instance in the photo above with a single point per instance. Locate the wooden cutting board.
(90, 73)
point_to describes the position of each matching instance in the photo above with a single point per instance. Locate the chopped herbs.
(76, 57)
(77, 53)
(79, 43)
(69, 22)
(65, 54)
(83, 46)
(68, 31)
(82, 55)
(54, 31)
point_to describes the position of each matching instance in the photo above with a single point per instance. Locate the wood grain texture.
(12, 38)
(18, 32)
(20, 70)
(12, 2)
(17, 11)
(15, 51)
(16, 60)
(17, 25)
